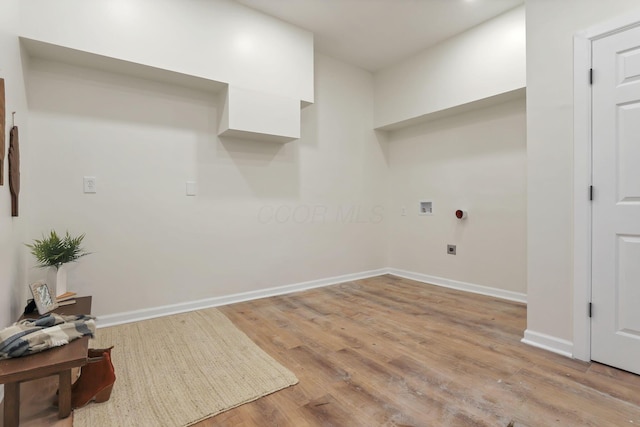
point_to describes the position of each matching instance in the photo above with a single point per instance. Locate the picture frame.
(43, 298)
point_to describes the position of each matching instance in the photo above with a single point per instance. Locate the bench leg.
(64, 394)
(11, 404)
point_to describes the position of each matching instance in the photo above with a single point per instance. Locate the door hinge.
(590, 310)
(591, 192)
(590, 76)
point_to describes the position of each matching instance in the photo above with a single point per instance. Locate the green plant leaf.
(53, 251)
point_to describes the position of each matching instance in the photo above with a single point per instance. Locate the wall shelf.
(246, 114)
(458, 109)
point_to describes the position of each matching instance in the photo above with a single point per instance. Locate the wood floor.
(392, 352)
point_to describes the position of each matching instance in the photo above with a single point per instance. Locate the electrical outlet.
(403, 211)
(451, 249)
(89, 184)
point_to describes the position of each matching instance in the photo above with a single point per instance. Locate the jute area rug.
(181, 369)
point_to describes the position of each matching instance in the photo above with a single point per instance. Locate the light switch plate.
(192, 188)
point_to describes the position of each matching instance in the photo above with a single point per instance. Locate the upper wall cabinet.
(255, 115)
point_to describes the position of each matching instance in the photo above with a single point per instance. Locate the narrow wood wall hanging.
(14, 169)
(2, 134)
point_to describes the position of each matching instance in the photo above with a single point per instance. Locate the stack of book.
(67, 298)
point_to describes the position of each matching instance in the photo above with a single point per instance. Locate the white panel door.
(615, 324)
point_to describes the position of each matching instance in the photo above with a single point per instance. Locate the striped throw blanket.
(30, 336)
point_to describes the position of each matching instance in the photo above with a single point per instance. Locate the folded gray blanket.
(30, 336)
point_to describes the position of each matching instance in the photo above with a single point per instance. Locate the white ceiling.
(376, 33)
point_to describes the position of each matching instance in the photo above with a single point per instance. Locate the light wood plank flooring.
(393, 352)
(388, 351)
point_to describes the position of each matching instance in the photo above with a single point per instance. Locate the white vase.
(61, 280)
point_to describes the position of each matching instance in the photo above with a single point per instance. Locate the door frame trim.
(582, 176)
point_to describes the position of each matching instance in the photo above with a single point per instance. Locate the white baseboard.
(150, 313)
(462, 286)
(548, 342)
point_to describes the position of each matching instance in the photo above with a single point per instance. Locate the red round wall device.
(460, 214)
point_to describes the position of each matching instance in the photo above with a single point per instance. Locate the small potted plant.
(56, 251)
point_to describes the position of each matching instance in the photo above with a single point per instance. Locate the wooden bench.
(56, 361)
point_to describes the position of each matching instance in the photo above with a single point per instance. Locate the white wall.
(483, 62)
(265, 215)
(12, 229)
(474, 161)
(551, 26)
(215, 39)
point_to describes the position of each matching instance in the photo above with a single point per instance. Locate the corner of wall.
(12, 229)
(547, 342)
